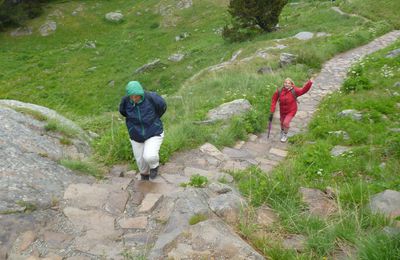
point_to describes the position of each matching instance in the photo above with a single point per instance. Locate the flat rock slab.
(211, 239)
(121, 183)
(236, 153)
(85, 195)
(227, 206)
(387, 203)
(134, 223)
(116, 202)
(318, 202)
(295, 242)
(265, 216)
(91, 220)
(339, 150)
(149, 202)
(212, 151)
(278, 152)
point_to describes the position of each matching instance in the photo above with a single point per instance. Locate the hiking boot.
(282, 133)
(284, 137)
(144, 177)
(153, 173)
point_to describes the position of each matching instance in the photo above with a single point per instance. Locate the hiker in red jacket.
(287, 97)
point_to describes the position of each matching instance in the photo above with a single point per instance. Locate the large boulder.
(149, 66)
(387, 203)
(48, 28)
(228, 110)
(352, 113)
(287, 59)
(393, 53)
(22, 31)
(114, 17)
(184, 4)
(228, 206)
(303, 36)
(29, 169)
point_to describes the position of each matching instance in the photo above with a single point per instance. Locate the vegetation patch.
(197, 218)
(196, 181)
(83, 167)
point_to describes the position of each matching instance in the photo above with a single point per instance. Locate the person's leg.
(138, 150)
(151, 153)
(282, 119)
(286, 125)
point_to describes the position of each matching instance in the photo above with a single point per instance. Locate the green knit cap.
(134, 88)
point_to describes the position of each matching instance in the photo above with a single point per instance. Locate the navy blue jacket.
(143, 119)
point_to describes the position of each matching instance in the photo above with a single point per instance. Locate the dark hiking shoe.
(153, 173)
(144, 177)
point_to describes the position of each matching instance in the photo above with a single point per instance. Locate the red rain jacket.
(287, 101)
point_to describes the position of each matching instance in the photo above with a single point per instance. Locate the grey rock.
(322, 34)
(265, 217)
(318, 203)
(303, 36)
(90, 44)
(111, 83)
(340, 133)
(182, 36)
(29, 169)
(149, 66)
(393, 53)
(264, 70)
(211, 239)
(339, 150)
(176, 57)
(184, 4)
(237, 153)
(48, 28)
(227, 206)
(391, 231)
(114, 17)
(190, 202)
(295, 242)
(287, 59)
(386, 202)
(228, 110)
(354, 114)
(397, 84)
(22, 31)
(219, 188)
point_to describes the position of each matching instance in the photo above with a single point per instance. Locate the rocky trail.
(122, 217)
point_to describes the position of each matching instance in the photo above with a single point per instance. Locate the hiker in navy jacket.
(142, 111)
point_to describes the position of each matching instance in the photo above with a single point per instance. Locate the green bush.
(15, 13)
(196, 181)
(250, 17)
(356, 80)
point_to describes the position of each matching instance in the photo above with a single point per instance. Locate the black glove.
(271, 115)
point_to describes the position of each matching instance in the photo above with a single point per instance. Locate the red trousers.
(286, 118)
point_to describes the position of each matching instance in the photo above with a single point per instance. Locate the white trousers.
(146, 154)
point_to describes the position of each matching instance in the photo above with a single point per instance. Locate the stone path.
(125, 217)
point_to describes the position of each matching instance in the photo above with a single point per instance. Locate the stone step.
(149, 202)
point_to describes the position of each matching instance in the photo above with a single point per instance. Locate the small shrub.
(197, 218)
(154, 25)
(65, 141)
(196, 181)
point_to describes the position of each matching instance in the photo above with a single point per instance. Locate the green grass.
(196, 181)
(54, 125)
(83, 167)
(370, 167)
(35, 114)
(197, 218)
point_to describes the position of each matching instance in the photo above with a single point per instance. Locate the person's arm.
(304, 89)
(274, 100)
(122, 107)
(159, 104)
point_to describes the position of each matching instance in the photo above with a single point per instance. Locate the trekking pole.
(269, 127)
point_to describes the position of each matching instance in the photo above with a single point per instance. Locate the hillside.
(81, 68)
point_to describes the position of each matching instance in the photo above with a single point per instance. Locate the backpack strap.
(291, 90)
